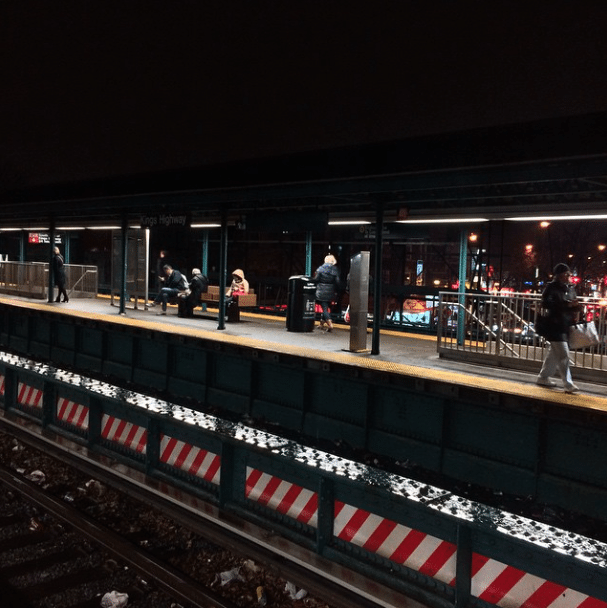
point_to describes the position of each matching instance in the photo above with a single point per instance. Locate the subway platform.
(405, 352)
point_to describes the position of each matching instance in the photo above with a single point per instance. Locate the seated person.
(239, 285)
(190, 298)
(174, 283)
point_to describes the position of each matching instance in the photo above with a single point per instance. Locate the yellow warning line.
(508, 387)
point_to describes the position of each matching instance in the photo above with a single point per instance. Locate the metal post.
(463, 567)
(51, 274)
(379, 228)
(308, 253)
(204, 267)
(22, 246)
(124, 247)
(223, 270)
(461, 292)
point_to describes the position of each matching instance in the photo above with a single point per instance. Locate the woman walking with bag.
(560, 300)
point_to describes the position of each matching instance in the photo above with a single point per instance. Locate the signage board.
(42, 238)
(165, 220)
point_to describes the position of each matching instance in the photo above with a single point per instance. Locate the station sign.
(165, 220)
(42, 238)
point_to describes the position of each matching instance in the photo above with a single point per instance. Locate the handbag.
(541, 325)
(583, 335)
(347, 315)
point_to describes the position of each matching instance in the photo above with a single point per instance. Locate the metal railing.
(500, 330)
(30, 279)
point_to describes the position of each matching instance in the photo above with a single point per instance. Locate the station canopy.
(549, 168)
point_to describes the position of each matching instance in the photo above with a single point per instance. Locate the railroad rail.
(76, 570)
(409, 538)
(133, 548)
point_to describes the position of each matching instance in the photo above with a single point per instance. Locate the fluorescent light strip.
(348, 222)
(205, 226)
(541, 218)
(103, 227)
(445, 220)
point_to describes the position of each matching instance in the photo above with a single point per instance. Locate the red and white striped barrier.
(403, 545)
(30, 396)
(509, 587)
(191, 459)
(73, 413)
(124, 433)
(283, 496)
(492, 581)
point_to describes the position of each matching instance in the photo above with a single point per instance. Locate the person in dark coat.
(328, 284)
(560, 301)
(190, 298)
(174, 284)
(59, 276)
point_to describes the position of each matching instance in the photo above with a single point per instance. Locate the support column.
(123, 265)
(204, 266)
(22, 246)
(377, 278)
(51, 274)
(308, 271)
(223, 270)
(461, 291)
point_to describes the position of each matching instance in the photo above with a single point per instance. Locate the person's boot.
(329, 325)
(57, 299)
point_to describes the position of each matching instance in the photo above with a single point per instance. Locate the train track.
(69, 550)
(164, 557)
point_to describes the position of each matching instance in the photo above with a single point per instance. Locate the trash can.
(301, 304)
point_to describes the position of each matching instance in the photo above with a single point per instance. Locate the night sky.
(103, 88)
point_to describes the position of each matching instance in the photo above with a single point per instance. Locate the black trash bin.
(301, 304)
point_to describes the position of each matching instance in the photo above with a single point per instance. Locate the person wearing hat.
(560, 301)
(239, 284)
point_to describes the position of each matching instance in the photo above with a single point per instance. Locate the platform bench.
(241, 301)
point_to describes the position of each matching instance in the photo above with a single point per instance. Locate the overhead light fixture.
(103, 227)
(10, 229)
(445, 220)
(65, 228)
(550, 218)
(348, 222)
(205, 226)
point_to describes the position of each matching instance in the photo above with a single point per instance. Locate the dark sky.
(104, 88)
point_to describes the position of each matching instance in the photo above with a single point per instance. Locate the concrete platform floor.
(407, 352)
